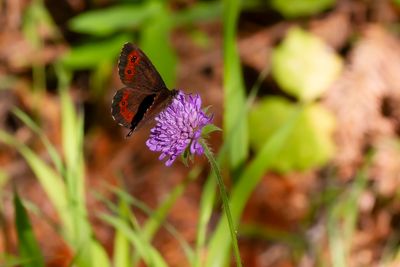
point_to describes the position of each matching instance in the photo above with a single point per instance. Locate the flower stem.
(225, 202)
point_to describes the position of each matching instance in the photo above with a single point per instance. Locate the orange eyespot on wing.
(130, 107)
(128, 63)
(136, 70)
(122, 108)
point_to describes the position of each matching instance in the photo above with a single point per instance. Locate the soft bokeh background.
(307, 94)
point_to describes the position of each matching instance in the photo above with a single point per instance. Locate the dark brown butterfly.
(145, 94)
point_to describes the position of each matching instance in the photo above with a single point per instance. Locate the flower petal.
(177, 127)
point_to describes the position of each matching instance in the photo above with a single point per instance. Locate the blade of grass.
(209, 189)
(234, 92)
(89, 251)
(71, 148)
(160, 214)
(27, 245)
(51, 182)
(342, 219)
(157, 218)
(225, 203)
(121, 249)
(36, 129)
(249, 178)
(150, 255)
(72, 142)
(98, 255)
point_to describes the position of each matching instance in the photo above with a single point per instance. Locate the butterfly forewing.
(136, 69)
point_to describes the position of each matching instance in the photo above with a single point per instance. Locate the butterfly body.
(145, 94)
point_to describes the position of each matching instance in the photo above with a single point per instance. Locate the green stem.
(225, 203)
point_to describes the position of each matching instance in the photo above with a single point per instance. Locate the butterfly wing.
(145, 95)
(130, 105)
(136, 70)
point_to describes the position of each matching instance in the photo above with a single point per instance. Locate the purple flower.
(179, 128)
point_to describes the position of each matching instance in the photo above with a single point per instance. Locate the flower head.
(179, 128)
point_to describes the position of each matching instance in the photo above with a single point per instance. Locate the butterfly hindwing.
(129, 106)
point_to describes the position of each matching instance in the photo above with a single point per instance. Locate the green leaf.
(209, 128)
(27, 244)
(91, 55)
(200, 12)
(107, 21)
(310, 143)
(304, 66)
(298, 8)
(164, 58)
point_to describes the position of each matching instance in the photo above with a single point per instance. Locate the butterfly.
(145, 94)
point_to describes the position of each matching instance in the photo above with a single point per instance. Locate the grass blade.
(150, 255)
(209, 189)
(220, 242)
(36, 129)
(234, 92)
(121, 243)
(157, 217)
(27, 244)
(342, 219)
(51, 182)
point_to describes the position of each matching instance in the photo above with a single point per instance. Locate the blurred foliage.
(298, 8)
(310, 142)
(86, 56)
(63, 183)
(304, 66)
(284, 135)
(342, 219)
(38, 26)
(107, 21)
(152, 21)
(29, 249)
(235, 121)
